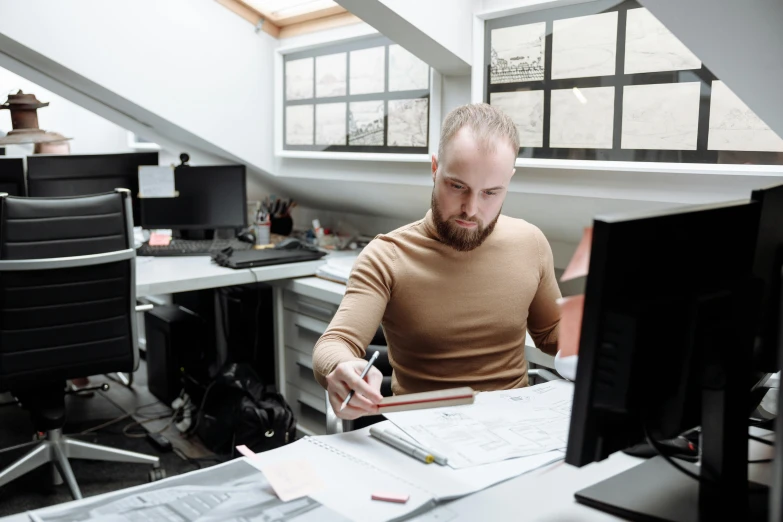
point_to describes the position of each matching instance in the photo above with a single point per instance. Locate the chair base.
(56, 449)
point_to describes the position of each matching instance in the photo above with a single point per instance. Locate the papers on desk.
(230, 491)
(500, 425)
(337, 269)
(442, 482)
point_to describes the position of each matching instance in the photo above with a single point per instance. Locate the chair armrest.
(542, 374)
(334, 424)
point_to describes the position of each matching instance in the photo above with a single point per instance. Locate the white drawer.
(299, 371)
(310, 410)
(308, 306)
(301, 332)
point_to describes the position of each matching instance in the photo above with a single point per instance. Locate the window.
(369, 96)
(615, 84)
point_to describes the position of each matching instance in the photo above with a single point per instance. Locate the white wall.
(191, 62)
(192, 70)
(91, 134)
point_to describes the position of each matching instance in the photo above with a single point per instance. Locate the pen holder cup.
(282, 225)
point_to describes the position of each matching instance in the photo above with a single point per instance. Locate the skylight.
(279, 11)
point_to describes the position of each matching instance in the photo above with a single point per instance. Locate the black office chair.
(67, 310)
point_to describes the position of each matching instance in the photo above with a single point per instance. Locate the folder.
(424, 400)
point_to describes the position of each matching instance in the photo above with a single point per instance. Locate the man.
(456, 291)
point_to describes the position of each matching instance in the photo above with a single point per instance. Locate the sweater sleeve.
(361, 310)
(544, 314)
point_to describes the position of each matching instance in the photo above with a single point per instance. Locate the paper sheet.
(349, 482)
(293, 479)
(156, 181)
(442, 481)
(500, 425)
(230, 491)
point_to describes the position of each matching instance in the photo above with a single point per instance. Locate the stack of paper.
(336, 269)
(498, 426)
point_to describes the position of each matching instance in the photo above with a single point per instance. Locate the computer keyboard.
(192, 247)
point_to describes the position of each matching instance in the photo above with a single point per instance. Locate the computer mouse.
(247, 237)
(290, 243)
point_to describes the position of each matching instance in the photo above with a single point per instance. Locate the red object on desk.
(391, 497)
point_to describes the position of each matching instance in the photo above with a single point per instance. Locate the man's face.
(470, 187)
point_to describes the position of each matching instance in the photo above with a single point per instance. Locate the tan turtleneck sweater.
(450, 318)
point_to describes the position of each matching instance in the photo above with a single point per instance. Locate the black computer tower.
(176, 345)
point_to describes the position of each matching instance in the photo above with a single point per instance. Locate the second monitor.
(208, 198)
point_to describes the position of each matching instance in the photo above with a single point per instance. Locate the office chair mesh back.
(62, 323)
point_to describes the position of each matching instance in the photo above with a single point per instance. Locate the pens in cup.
(411, 449)
(362, 376)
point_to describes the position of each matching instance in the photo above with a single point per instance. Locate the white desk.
(548, 494)
(545, 495)
(169, 275)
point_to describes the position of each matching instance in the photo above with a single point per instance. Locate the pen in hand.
(362, 376)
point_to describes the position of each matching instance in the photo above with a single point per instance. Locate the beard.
(460, 238)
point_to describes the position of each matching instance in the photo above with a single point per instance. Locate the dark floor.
(35, 489)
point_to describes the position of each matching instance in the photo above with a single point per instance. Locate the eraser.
(244, 450)
(391, 497)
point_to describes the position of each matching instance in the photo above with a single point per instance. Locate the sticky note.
(159, 239)
(244, 450)
(390, 497)
(292, 479)
(156, 181)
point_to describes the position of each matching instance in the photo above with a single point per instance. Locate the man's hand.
(345, 378)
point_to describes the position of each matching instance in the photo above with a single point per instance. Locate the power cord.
(662, 452)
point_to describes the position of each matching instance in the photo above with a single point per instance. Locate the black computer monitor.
(52, 175)
(670, 316)
(12, 176)
(209, 198)
(767, 266)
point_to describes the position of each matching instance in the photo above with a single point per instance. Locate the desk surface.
(546, 494)
(168, 275)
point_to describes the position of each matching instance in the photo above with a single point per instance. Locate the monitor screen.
(51, 175)
(653, 289)
(12, 176)
(767, 266)
(208, 198)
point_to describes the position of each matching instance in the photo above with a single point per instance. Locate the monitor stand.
(194, 234)
(655, 490)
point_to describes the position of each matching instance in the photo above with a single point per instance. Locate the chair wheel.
(156, 474)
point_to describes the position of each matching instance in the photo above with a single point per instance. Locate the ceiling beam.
(416, 35)
(741, 42)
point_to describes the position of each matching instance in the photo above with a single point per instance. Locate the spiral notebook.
(350, 481)
(355, 465)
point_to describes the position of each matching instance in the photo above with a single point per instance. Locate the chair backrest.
(67, 288)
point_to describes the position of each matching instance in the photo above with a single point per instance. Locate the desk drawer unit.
(302, 332)
(299, 372)
(309, 306)
(310, 410)
(304, 320)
